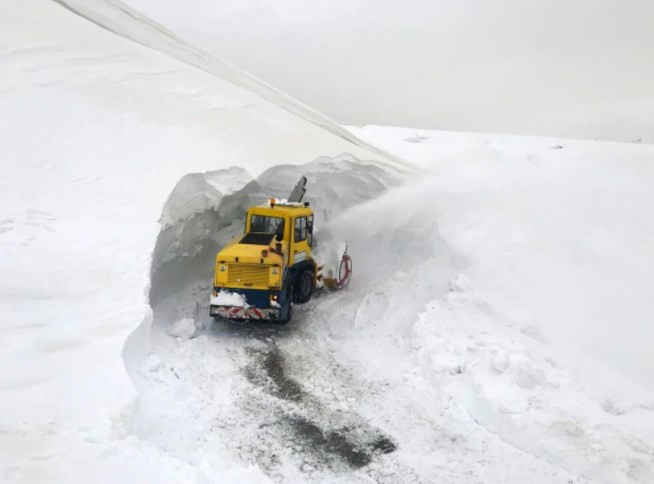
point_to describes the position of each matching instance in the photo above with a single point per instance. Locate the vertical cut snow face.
(197, 192)
(205, 219)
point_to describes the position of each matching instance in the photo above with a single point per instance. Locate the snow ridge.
(123, 20)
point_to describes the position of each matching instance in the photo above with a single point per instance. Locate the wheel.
(303, 287)
(289, 299)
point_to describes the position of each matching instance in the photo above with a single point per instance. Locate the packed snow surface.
(496, 327)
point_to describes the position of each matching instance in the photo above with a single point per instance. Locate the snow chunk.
(183, 328)
(152, 364)
(227, 298)
(197, 192)
(460, 283)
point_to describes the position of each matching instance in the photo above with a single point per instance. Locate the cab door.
(300, 239)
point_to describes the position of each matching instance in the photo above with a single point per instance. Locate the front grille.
(248, 274)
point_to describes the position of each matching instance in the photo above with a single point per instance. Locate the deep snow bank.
(469, 337)
(199, 219)
(560, 231)
(484, 352)
(95, 130)
(202, 372)
(542, 331)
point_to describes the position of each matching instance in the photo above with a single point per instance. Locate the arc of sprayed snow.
(116, 17)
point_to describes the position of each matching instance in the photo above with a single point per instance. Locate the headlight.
(275, 271)
(222, 268)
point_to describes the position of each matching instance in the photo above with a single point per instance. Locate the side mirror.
(279, 236)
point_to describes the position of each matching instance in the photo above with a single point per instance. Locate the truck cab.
(258, 275)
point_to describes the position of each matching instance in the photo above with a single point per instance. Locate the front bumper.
(238, 312)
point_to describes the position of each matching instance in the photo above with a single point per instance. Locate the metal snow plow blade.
(243, 313)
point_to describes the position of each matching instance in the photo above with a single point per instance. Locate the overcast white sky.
(575, 68)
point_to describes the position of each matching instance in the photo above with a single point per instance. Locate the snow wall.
(412, 371)
(204, 212)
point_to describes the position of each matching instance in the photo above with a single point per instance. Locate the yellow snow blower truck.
(259, 274)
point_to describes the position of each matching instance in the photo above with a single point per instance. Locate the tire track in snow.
(313, 426)
(274, 419)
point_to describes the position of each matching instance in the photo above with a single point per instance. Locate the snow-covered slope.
(566, 230)
(119, 18)
(549, 319)
(95, 131)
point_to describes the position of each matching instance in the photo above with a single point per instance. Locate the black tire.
(289, 299)
(303, 286)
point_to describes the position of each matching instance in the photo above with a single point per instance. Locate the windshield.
(266, 224)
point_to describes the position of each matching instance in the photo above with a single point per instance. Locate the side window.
(300, 229)
(310, 230)
(297, 230)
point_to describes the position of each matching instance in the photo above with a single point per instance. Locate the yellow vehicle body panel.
(244, 266)
(261, 265)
